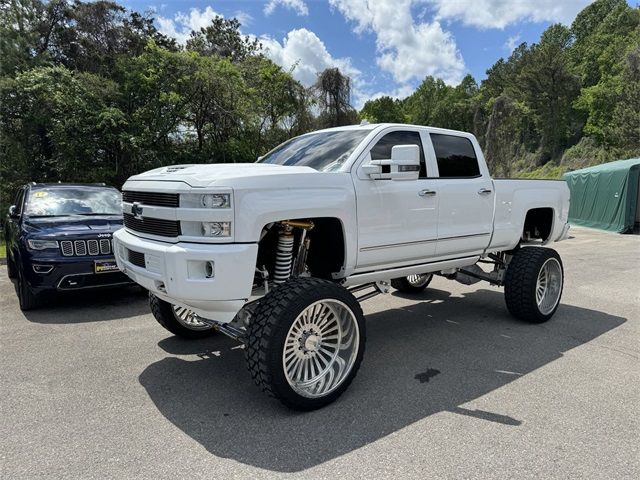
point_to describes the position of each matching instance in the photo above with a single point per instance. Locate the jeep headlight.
(216, 229)
(215, 200)
(42, 244)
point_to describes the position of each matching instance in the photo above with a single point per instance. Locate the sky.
(387, 47)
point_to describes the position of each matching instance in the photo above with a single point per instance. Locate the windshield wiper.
(97, 214)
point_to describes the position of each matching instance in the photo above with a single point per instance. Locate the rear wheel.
(412, 283)
(533, 284)
(306, 342)
(179, 320)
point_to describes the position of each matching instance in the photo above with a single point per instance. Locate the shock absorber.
(284, 255)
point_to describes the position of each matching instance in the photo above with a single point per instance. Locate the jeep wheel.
(12, 271)
(412, 283)
(533, 284)
(26, 298)
(306, 342)
(179, 320)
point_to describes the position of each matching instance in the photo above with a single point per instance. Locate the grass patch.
(3, 248)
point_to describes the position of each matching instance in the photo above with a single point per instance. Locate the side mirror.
(13, 212)
(403, 165)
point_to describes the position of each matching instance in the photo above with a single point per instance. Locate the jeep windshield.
(322, 151)
(65, 201)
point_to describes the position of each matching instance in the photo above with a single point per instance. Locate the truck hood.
(203, 175)
(72, 225)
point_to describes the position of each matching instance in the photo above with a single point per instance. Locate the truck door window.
(382, 149)
(456, 156)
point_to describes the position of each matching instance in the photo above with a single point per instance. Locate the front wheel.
(26, 298)
(179, 320)
(533, 284)
(412, 283)
(306, 342)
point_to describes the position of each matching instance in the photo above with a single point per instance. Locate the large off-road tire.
(412, 283)
(305, 342)
(26, 298)
(533, 284)
(179, 320)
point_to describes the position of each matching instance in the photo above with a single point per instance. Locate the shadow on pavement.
(430, 357)
(95, 305)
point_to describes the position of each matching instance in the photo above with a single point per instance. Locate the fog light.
(216, 229)
(42, 268)
(209, 269)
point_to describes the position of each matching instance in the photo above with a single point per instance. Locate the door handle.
(427, 193)
(484, 191)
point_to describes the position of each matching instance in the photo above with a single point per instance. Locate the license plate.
(105, 266)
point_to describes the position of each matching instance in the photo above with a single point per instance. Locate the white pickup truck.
(278, 254)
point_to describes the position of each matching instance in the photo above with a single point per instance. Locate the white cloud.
(500, 13)
(305, 55)
(302, 51)
(243, 17)
(181, 25)
(512, 42)
(408, 50)
(296, 5)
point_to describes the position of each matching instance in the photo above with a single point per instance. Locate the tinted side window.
(382, 149)
(456, 156)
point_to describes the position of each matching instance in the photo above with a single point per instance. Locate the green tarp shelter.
(606, 196)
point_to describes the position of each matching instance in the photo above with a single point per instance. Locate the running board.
(381, 275)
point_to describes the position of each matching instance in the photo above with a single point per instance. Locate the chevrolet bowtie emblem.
(136, 210)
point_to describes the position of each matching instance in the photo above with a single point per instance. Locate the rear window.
(456, 156)
(58, 202)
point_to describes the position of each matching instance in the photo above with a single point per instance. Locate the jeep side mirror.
(13, 212)
(403, 165)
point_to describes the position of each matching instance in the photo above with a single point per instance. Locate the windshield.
(56, 202)
(323, 151)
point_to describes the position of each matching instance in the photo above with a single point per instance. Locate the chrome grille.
(105, 246)
(152, 198)
(92, 247)
(80, 247)
(153, 226)
(67, 248)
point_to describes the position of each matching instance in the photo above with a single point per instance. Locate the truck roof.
(375, 126)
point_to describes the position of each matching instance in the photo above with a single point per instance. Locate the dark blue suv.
(59, 239)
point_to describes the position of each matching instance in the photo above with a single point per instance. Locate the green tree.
(383, 110)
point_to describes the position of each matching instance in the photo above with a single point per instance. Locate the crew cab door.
(465, 196)
(397, 219)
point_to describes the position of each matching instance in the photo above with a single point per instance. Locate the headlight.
(216, 229)
(42, 244)
(216, 200)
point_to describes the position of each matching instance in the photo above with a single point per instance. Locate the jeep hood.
(203, 175)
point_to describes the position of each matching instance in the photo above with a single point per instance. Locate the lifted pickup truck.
(274, 253)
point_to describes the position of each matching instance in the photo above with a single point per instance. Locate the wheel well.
(326, 251)
(538, 224)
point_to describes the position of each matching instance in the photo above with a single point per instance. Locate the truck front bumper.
(180, 273)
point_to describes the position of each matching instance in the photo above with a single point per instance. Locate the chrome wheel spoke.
(548, 286)
(320, 348)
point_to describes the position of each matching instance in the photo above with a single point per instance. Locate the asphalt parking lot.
(451, 387)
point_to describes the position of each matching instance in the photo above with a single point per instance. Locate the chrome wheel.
(320, 348)
(418, 281)
(188, 318)
(549, 286)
